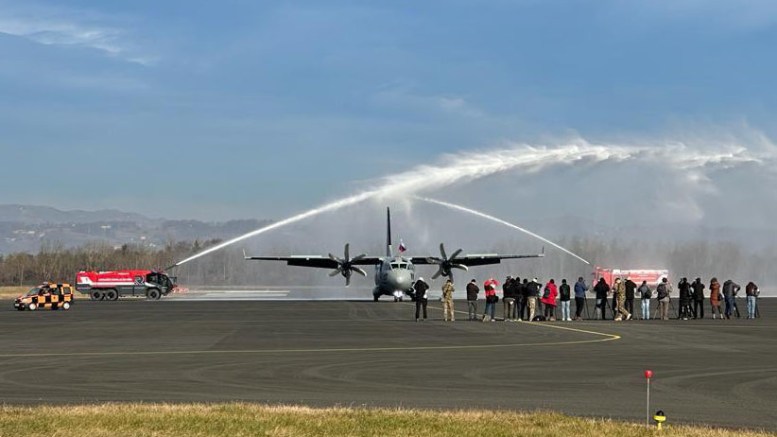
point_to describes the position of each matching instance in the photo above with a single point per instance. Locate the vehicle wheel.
(153, 294)
(66, 306)
(20, 308)
(32, 307)
(95, 295)
(375, 298)
(111, 295)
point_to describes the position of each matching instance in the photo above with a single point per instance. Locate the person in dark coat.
(602, 290)
(421, 297)
(472, 299)
(752, 292)
(631, 286)
(684, 288)
(532, 293)
(698, 299)
(508, 298)
(580, 289)
(524, 292)
(565, 296)
(730, 290)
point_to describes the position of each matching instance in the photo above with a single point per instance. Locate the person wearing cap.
(421, 297)
(698, 299)
(447, 300)
(472, 299)
(508, 298)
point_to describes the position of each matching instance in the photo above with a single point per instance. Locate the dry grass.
(12, 292)
(236, 420)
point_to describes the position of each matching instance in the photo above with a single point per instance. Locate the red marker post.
(648, 375)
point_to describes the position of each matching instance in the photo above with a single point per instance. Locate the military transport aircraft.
(394, 274)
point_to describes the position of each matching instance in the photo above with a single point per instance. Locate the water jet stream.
(498, 220)
(470, 166)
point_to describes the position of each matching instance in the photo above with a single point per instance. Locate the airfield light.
(648, 375)
(660, 418)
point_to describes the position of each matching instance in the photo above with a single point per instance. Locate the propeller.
(446, 263)
(345, 265)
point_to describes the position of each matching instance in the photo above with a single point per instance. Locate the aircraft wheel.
(374, 298)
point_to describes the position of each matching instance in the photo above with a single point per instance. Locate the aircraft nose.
(400, 280)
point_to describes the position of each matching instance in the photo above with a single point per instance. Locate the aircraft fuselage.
(394, 276)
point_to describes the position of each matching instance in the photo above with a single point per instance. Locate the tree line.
(226, 267)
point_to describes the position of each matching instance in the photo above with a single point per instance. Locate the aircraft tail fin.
(389, 250)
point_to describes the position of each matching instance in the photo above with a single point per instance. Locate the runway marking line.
(313, 350)
(610, 337)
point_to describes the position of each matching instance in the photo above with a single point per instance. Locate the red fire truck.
(110, 285)
(652, 276)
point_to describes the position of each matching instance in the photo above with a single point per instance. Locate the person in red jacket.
(491, 299)
(549, 296)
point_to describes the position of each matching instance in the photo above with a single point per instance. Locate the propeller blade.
(433, 260)
(347, 251)
(334, 258)
(334, 273)
(460, 267)
(359, 256)
(348, 281)
(442, 251)
(455, 254)
(437, 275)
(359, 271)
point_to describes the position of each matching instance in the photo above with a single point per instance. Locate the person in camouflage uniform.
(620, 300)
(447, 300)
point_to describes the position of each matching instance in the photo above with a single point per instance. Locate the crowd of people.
(529, 300)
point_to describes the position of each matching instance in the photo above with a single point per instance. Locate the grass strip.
(243, 419)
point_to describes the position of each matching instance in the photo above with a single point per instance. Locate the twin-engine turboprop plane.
(394, 274)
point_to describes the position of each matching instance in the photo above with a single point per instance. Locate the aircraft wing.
(474, 259)
(316, 261)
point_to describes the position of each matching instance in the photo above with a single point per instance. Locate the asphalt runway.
(374, 354)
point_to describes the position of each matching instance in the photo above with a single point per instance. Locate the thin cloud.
(49, 26)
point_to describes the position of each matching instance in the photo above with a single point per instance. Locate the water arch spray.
(470, 166)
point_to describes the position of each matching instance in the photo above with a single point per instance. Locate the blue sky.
(233, 109)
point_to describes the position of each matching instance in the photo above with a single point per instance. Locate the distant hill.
(25, 228)
(38, 215)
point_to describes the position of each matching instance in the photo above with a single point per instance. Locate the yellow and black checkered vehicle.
(46, 296)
